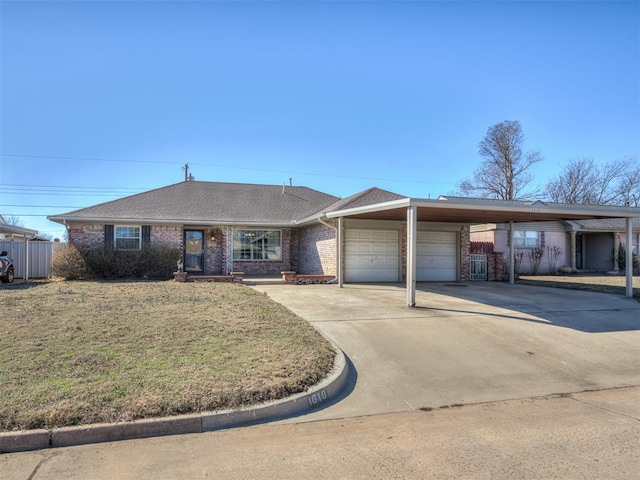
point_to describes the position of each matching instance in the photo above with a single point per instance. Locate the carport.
(473, 211)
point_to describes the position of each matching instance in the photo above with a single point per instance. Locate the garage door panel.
(371, 256)
(435, 262)
(437, 259)
(437, 237)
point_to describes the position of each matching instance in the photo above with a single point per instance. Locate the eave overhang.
(66, 220)
(20, 231)
(471, 212)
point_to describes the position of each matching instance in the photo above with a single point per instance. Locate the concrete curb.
(327, 390)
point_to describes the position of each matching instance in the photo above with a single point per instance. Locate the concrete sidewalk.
(580, 436)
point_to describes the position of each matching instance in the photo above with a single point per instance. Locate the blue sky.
(105, 99)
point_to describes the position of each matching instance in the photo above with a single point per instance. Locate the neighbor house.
(596, 243)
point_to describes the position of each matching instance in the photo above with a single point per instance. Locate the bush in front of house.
(68, 262)
(155, 262)
(622, 260)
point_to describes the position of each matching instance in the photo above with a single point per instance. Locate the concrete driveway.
(469, 343)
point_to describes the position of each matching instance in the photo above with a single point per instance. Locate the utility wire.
(38, 206)
(234, 167)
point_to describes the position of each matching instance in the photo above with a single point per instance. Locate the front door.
(194, 251)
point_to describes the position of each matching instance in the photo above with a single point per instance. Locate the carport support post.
(512, 254)
(412, 232)
(629, 259)
(25, 275)
(573, 253)
(339, 250)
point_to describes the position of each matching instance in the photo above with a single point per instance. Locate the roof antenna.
(290, 182)
(187, 176)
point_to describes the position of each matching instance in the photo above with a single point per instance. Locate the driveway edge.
(317, 396)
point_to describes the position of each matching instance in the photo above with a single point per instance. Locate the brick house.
(371, 236)
(219, 227)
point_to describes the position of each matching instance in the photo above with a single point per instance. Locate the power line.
(38, 206)
(234, 167)
(87, 159)
(73, 187)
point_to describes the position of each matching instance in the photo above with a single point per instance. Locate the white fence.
(40, 254)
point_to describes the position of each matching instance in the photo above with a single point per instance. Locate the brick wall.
(213, 255)
(317, 250)
(167, 236)
(86, 236)
(495, 266)
(465, 254)
(90, 236)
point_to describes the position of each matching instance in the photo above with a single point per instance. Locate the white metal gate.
(478, 266)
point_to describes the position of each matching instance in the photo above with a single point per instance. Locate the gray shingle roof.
(370, 196)
(210, 202)
(608, 224)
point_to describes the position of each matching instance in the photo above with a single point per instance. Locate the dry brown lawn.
(594, 283)
(84, 352)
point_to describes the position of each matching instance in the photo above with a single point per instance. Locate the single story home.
(596, 243)
(371, 236)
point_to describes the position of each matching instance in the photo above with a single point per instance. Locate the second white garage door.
(437, 259)
(371, 255)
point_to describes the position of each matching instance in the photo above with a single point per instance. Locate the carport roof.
(16, 230)
(481, 210)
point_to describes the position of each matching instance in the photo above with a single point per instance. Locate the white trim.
(378, 207)
(495, 206)
(629, 259)
(412, 242)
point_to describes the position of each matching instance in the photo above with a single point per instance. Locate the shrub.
(151, 262)
(67, 262)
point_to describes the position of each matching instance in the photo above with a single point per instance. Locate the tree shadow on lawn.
(20, 285)
(569, 312)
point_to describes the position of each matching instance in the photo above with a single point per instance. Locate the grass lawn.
(85, 352)
(592, 283)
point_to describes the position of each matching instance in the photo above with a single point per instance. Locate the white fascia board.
(15, 230)
(156, 221)
(378, 207)
(590, 210)
(312, 219)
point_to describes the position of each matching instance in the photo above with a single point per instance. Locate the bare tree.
(628, 186)
(582, 181)
(504, 172)
(13, 220)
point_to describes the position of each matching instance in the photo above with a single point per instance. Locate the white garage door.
(437, 259)
(371, 255)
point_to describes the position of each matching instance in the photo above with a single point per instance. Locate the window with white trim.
(127, 238)
(257, 245)
(526, 239)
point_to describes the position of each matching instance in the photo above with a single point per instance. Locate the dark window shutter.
(146, 236)
(108, 236)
